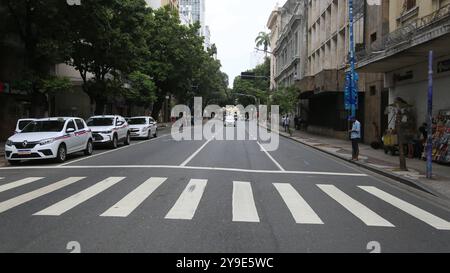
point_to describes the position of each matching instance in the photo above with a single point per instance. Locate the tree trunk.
(158, 106)
(100, 103)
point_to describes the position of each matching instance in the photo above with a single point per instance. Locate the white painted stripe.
(187, 168)
(19, 183)
(271, 158)
(114, 150)
(76, 199)
(16, 201)
(365, 214)
(410, 209)
(130, 202)
(188, 201)
(299, 208)
(244, 208)
(195, 153)
(2, 178)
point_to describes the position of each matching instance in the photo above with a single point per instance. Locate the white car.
(143, 127)
(229, 121)
(21, 123)
(109, 130)
(49, 138)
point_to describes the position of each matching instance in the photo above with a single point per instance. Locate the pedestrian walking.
(355, 137)
(286, 123)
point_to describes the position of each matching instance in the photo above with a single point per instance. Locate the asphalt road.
(214, 196)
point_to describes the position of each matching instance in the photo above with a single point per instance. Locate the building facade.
(193, 11)
(400, 43)
(156, 4)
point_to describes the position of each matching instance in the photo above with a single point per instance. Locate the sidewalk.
(379, 162)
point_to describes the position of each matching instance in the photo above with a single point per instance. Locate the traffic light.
(248, 75)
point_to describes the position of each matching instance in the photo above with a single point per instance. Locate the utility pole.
(430, 117)
(353, 80)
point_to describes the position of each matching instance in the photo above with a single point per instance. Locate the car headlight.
(106, 132)
(9, 143)
(46, 141)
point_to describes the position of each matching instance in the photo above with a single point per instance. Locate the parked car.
(49, 138)
(143, 127)
(109, 130)
(21, 123)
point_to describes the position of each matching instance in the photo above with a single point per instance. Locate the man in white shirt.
(355, 136)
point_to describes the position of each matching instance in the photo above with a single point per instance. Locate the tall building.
(156, 4)
(399, 36)
(192, 11)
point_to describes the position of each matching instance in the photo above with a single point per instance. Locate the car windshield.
(44, 126)
(137, 121)
(100, 122)
(23, 123)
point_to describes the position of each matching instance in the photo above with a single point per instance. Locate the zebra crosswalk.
(246, 204)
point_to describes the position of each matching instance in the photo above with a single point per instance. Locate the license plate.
(24, 152)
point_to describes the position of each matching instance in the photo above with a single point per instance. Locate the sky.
(234, 26)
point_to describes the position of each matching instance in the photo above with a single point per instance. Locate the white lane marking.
(188, 168)
(271, 158)
(2, 178)
(188, 201)
(365, 214)
(244, 208)
(16, 201)
(131, 201)
(114, 150)
(195, 153)
(78, 198)
(299, 208)
(410, 209)
(19, 183)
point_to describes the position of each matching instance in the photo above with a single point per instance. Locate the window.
(409, 4)
(373, 37)
(80, 124)
(71, 125)
(373, 90)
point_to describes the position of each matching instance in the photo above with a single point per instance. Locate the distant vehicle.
(229, 121)
(21, 123)
(143, 127)
(109, 130)
(49, 138)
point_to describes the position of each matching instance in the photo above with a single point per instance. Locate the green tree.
(41, 43)
(108, 38)
(263, 39)
(141, 91)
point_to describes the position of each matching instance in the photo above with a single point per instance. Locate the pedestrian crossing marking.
(130, 202)
(76, 199)
(299, 208)
(21, 199)
(369, 217)
(19, 183)
(410, 209)
(187, 203)
(244, 208)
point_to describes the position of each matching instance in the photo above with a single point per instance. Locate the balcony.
(408, 44)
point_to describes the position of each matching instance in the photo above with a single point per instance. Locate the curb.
(398, 178)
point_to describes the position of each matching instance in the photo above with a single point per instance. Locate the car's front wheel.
(156, 133)
(61, 154)
(114, 142)
(89, 148)
(149, 136)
